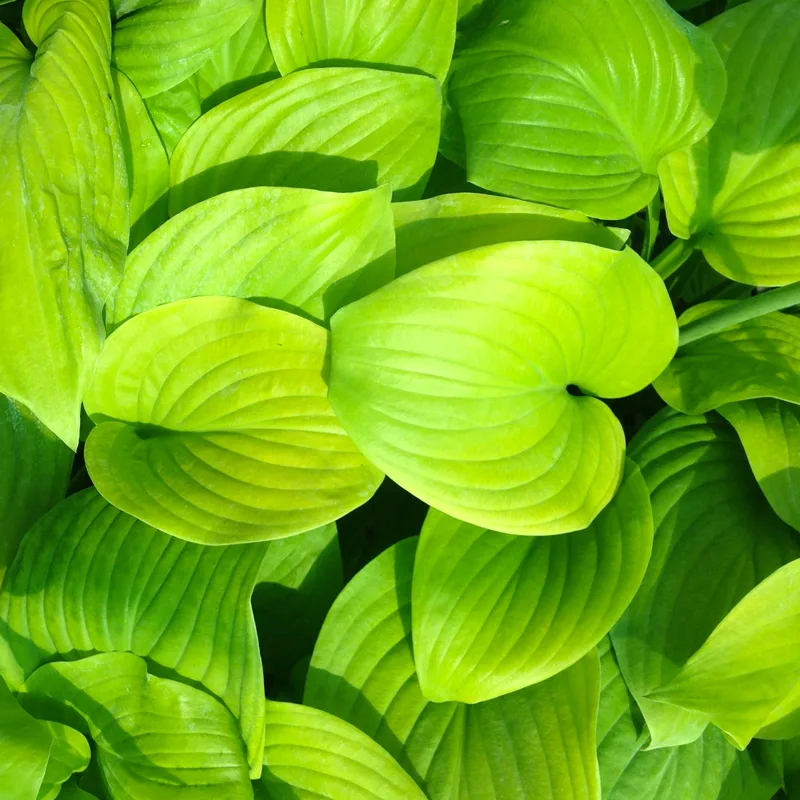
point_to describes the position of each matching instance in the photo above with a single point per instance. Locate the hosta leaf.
(428, 230)
(213, 424)
(453, 379)
(174, 111)
(770, 433)
(336, 129)
(316, 756)
(69, 753)
(34, 471)
(708, 769)
(159, 44)
(749, 663)
(575, 104)
(757, 358)
(310, 250)
(417, 34)
(494, 613)
(538, 742)
(71, 791)
(299, 579)
(736, 193)
(63, 206)
(157, 739)
(90, 579)
(716, 539)
(146, 160)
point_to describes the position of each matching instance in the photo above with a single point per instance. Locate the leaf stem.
(651, 226)
(741, 311)
(673, 257)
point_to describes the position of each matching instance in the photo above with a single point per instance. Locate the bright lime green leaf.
(784, 720)
(770, 433)
(757, 358)
(34, 471)
(736, 193)
(494, 613)
(716, 538)
(312, 755)
(63, 207)
(185, 607)
(159, 44)
(157, 739)
(538, 742)
(575, 104)
(174, 111)
(428, 230)
(749, 663)
(146, 160)
(69, 753)
(335, 129)
(213, 424)
(299, 579)
(453, 379)
(311, 250)
(416, 34)
(708, 769)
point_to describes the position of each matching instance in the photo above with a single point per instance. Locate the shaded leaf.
(453, 379)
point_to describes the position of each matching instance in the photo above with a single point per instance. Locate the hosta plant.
(400, 400)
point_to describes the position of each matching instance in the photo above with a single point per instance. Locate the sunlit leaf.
(736, 193)
(494, 613)
(538, 742)
(454, 379)
(213, 424)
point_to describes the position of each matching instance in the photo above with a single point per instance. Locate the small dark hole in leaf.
(574, 390)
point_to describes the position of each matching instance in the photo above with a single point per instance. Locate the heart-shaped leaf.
(155, 737)
(716, 539)
(428, 230)
(311, 754)
(336, 129)
(214, 424)
(575, 104)
(159, 44)
(770, 433)
(494, 613)
(90, 579)
(454, 379)
(310, 250)
(63, 207)
(538, 742)
(757, 358)
(415, 34)
(735, 194)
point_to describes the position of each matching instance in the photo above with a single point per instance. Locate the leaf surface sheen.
(575, 104)
(538, 742)
(213, 424)
(453, 379)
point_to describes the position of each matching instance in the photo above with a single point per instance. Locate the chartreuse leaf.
(453, 379)
(299, 579)
(311, 250)
(69, 753)
(63, 206)
(159, 44)
(146, 160)
(174, 111)
(336, 129)
(757, 358)
(157, 739)
(428, 230)
(575, 104)
(91, 579)
(716, 539)
(34, 471)
(770, 433)
(213, 424)
(707, 769)
(416, 34)
(538, 742)
(748, 664)
(494, 613)
(735, 193)
(310, 754)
